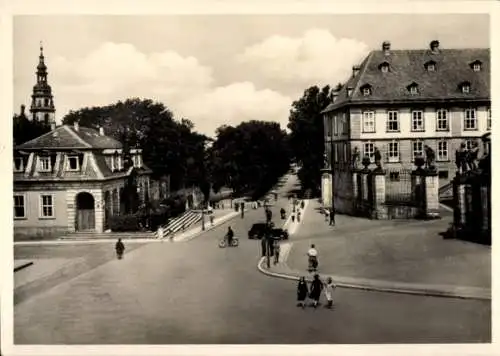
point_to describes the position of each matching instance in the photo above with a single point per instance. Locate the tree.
(169, 147)
(306, 137)
(250, 157)
(25, 130)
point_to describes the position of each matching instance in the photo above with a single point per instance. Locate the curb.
(23, 266)
(378, 286)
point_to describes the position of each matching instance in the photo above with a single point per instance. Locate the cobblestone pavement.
(403, 251)
(195, 292)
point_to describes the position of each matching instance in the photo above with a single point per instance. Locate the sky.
(215, 69)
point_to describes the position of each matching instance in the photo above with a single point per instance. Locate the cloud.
(236, 103)
(315, 58)
(114, 72)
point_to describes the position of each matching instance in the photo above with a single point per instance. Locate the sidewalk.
(408, 256)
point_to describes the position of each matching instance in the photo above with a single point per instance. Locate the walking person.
(316, 288)
(119, 247)
(327, 214)
(302, 292)
(312, 255)
(329, 288)
(332, 217)
(293, 217)
(212, 219)
(298, 216)
(277, 248)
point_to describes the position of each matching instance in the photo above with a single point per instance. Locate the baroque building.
(399, 101)
(73, 179)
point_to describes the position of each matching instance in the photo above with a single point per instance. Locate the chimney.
(76, 126)
(434, 46)
(101, 131)
(386, 47)
(23, 107)
(349, 91)
(355, 70)
(52, 126)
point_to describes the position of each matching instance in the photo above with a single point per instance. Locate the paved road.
(194, 292)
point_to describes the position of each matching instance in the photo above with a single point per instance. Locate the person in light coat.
(329, 288)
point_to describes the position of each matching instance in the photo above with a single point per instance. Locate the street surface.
(193, 292)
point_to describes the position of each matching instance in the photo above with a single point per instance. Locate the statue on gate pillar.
(355, 158)
(430, 158)
(378, 158)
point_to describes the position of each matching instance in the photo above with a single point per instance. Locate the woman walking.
(316, 288)
(276, 252)
(302, 292)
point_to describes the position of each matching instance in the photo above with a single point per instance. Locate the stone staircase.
(446, 191)
(180, 223)
(90, 235)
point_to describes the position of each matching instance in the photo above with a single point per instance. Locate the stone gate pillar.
(378, 180)
(431, 184)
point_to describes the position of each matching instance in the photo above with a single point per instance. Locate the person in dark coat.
(119, 247)
(302, 292)
(315, 292)
(332, 216)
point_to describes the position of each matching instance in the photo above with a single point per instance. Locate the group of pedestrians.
(297, 208)
(313, 292)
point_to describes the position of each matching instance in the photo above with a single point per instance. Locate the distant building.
(73, 179)
(399, 101)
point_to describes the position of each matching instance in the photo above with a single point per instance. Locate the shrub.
(124, 223)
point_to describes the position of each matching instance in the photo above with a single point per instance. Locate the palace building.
(400, 101)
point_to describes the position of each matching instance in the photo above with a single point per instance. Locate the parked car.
(258, 230)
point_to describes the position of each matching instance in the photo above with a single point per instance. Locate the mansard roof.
(407, 66)
(68, 137)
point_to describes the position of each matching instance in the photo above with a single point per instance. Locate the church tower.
(42, 102)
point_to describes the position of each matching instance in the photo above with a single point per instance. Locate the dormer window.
(366, 90)
(430, 66)
(413, 88)
(384, 67)
(44, 164)
(465, 87)
(72, 163)
(18, 164)
(476, 66)
(349, 91)
(137, 161)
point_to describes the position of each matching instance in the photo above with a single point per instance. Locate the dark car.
(258, 230)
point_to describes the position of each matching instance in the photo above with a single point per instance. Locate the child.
(329, 287)
(119, 247)
(276, 252)
(302, 292)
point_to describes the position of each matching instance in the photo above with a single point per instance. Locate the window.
(328, 125)
(18, 164)
(19, 206)
(335, 126)
(344, 124)
(417, 121)
(393, 151)
(488, 120)
(44, 164)
(476, 66)
(470, 121)
(394, 176)
(369, 121)
(442, 152)
(417, 149)
(366, 91)
(442, 120)
(369, 150)
(413, 89)
(335, 152)
(430, 66)
(137, 160)
(443, 174)
(119, 163)
(72, 164)
(392, 121)
(384, 67)
(465, 88)
(46, 206)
